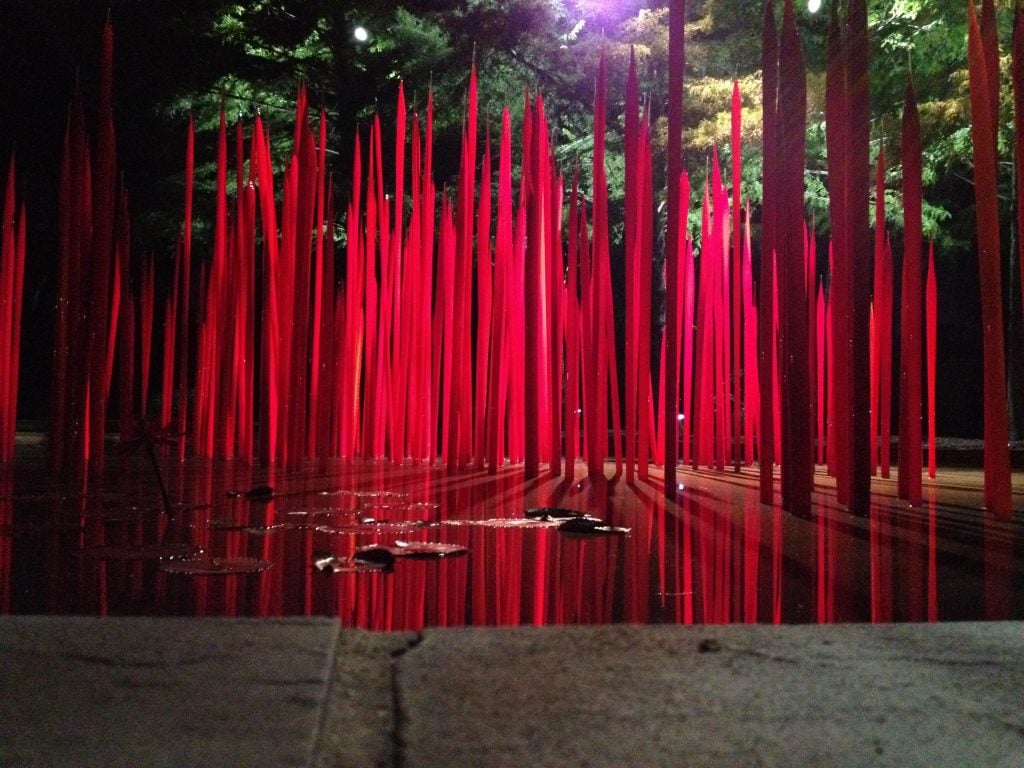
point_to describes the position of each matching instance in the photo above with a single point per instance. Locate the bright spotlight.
(813, 5)
(361, 35)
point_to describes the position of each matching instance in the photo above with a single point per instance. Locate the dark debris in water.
(375, 554)
(216, 566)
(256, 493)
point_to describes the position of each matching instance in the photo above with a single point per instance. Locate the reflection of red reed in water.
(12, 279)
(717, 556)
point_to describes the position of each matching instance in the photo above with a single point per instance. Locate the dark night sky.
(44, 46)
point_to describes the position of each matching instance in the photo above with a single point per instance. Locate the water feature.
(716, 555)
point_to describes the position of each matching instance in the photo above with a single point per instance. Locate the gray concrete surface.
(184, 692)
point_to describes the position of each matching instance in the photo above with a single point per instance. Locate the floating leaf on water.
(365, 494)
(263, 530)
(427, 549)
(144, 552)
(221, 524)
(324, 560)
(507, 522)
(363, 526)
(591, 526)
(372, 521)
(215, 566)
(552, 513)
(319, 512)
(338, 529)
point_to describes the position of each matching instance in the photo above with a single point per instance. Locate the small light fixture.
(813, 6)
(360, 34)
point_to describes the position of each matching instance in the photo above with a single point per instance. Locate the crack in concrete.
(398, 717)
(325, 698)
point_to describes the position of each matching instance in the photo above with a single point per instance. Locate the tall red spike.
(997, 455)
(859, 182)
(931, 340)
(766, 288)
(751, 382)
(485, 283)
(182, 311)
(837, 113)
(573, 328)
(101, 255)
(534, 268)
(798, 465)
(737, 282)
(909, 485)
(879, 309)
(633, 257)
(674, 233)
(598, 338)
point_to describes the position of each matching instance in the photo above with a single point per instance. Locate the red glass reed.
(751, 382)
(737, 282)
(983, 128)
(675, 233)
(766, 288)
(909, 480)
(798, 465)
(931, 309)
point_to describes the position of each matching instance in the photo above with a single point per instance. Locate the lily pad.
(216, 566)
(507, 522)
(552, 513)
(427, 549)
(323, 561)
(591, 526)
(263, 530)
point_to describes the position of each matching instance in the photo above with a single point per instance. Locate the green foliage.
(259, 51)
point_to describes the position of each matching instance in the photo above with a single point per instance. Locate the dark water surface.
(107, 547)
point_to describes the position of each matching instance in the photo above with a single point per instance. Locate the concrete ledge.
(161, 692)
(895, 695)
(220, 692)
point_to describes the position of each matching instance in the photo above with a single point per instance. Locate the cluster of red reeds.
(478, 331)
(93, 242)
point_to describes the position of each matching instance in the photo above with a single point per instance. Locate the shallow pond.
(403, 547)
